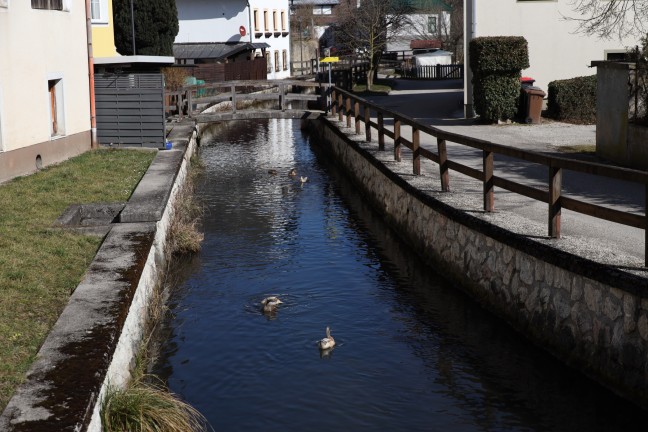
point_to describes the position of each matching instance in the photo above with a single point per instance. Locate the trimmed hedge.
(496, 63)
(573, 100)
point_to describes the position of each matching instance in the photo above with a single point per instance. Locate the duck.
(270, 303)
(328, 342)
(272, 172)
(303, 179)
(292, 172)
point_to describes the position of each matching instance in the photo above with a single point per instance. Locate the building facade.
(44, 84)
(257, 22)
(556, 51)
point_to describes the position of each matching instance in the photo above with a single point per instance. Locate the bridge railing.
(187, 100)
(359, 111)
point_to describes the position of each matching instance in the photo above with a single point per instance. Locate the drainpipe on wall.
(470, 26)
(93, 119)
(250, 20)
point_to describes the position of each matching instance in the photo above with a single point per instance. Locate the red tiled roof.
(418, 44)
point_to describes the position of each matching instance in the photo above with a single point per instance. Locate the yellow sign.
(330, 60)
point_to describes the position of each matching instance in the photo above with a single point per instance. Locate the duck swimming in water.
(328, 342)
(292, 172)
(272, 172)
(303, 179)
(270, 303)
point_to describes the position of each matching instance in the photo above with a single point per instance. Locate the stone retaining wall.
(591, 316)
(94, 342)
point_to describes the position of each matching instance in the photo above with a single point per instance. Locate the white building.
(237, 21)
(44, 84)
(556, 51)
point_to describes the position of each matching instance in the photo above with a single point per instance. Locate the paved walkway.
(439, 103)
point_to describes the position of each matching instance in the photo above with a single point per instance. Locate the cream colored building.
(44, 84)
(556, 51)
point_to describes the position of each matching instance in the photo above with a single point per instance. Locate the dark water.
(412, 354)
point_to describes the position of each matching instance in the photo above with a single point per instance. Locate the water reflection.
(412, 352)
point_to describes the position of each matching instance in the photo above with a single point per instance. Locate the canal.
(413, 353)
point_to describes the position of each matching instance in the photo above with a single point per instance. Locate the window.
(4, 4)
(268, 64)
(283, 20)
(284, 58)
(432, 24)
(276, 66)
(99, 11)
(256, 19)
(47, 4)
(275, 23)
(55, 99)
(322, 10)
(616, 55)
(266, 24)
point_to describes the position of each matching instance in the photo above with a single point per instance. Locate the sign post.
(329, 60)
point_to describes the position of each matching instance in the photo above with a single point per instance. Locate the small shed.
(433, 58)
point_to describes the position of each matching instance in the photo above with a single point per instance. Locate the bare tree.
(611, 18)
(365, 29)
(302, 29)
(444, 24)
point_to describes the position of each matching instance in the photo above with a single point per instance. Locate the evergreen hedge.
(573, 100)
(496, 63)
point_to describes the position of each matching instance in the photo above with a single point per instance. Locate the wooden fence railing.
(186, 100)
(358, 110)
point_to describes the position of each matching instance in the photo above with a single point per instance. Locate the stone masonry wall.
(591, 317)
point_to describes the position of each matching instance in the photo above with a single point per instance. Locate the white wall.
(210, 21)
(555, 51)
(36, 45)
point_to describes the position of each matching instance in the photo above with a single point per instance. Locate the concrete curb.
(94, 341)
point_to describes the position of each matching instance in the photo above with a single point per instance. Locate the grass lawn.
(39, 266)
(379, 86)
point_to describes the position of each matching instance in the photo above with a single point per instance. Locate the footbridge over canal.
(580, 296)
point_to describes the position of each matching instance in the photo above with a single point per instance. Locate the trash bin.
(531, 104)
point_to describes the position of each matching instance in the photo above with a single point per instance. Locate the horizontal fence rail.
(358, 111)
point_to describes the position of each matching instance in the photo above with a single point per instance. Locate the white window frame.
(103, 12)
(4, 4)
(435, 19)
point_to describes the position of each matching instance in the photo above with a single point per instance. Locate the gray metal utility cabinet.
(130, 109)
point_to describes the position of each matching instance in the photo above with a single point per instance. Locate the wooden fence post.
(381, 131)
(489, 188)
(555, 186)
(397, 139)
(443, 165)
(333, 101)
(341, 107)
(356, 116)
(416, 150)
(233, 97)
(348, 111)
(646, 226)
(282, 98)
(190, 103)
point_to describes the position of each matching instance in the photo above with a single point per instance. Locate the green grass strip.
(39, 266)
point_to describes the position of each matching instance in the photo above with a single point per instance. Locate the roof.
(136, 59)
(214, 50)
(314, 2)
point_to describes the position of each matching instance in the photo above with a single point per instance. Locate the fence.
(187, 100)
(436, 72)
(359, 111)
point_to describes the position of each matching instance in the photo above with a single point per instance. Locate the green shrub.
(497, 96)
(494, 54)
(496, 63)
(573, 100)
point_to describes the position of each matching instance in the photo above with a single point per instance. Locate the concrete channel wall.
(94, 342)
(591, 316)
